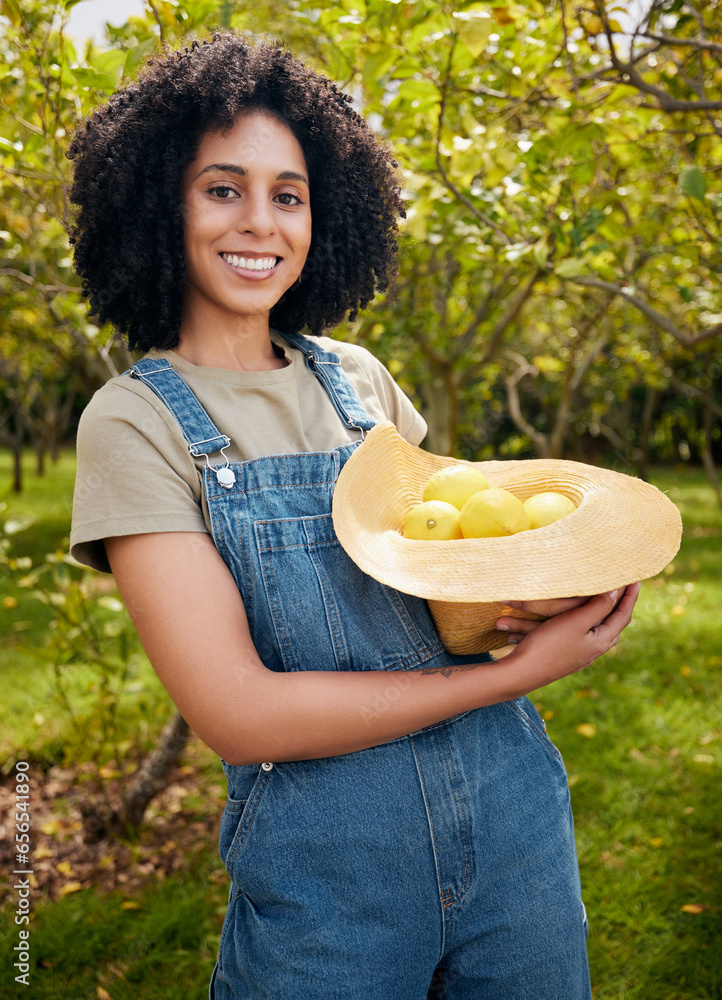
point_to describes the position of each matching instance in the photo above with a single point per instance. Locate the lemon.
(432, 520)
(455, 484)
(545, 508)
(491, 513)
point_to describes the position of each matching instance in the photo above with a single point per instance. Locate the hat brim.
(623, 529)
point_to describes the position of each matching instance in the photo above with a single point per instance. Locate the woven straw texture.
(623, 530)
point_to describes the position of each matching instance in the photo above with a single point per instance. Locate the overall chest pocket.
(328, 615)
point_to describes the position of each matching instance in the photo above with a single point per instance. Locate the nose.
(256, 215)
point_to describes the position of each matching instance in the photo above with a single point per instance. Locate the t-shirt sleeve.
(134, 473)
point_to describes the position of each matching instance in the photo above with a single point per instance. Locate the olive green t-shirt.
(135, 473)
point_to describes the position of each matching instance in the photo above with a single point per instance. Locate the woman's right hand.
(574, 639)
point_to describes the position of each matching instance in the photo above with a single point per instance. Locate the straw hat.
(623, 530)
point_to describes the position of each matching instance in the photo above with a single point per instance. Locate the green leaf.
(110, 62)
(378, 64)
(540, 251)
(474, 27)
(419, 90)
(571, 267)
(137, 54)
(693, 183)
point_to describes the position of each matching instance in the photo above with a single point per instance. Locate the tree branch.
(512, 394)
(635, 79)
(156, 15)
(659, 320)
(448, 184)
(501, 327)
(695, 43)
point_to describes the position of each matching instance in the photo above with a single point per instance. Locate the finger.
(549, 608)
(516, 626)
(621, 614)
(596, 610)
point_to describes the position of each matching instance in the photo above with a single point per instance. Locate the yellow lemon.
(433, 520)
(545, 508)
(491, 513)
(455, 484)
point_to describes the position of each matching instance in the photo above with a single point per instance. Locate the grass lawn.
(639, 731)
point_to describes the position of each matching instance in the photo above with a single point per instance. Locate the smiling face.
(247, 223)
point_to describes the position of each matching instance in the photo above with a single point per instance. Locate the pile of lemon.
(459, 503)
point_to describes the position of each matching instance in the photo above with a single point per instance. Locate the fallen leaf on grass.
(694, 907)
(102, 993)
(69, 887)
(587, 729)
(64, 867)
(656, 841)
(129, 904)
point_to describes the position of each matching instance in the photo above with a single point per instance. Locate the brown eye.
(286, 198)
(222, 191)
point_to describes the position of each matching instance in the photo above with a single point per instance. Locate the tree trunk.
(150, 779)
(440, 416)
(17, 467)
(708, 457)
(650, 403)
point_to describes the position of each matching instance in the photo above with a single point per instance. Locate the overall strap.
(327, 368)
(200, 432)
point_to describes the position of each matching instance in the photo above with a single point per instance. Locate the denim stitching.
(461, 815)
(249, 577)
(274, 603)
(332, 612)
(422, 782)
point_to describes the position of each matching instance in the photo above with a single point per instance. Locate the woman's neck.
(246, 348)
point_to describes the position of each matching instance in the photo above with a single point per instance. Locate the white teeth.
(251, 263)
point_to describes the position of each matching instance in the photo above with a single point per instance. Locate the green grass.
(162, 948)
(645, 789)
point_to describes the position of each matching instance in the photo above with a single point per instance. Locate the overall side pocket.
(237, 821)
(535, 725)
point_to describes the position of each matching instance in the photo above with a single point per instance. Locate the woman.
(392, 809)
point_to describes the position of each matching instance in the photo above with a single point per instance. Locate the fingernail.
(513, 642)
(511, 604)
(503, 628)
(613, 593)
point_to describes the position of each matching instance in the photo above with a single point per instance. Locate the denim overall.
(355, 877)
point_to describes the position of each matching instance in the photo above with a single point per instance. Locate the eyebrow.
(234, 168)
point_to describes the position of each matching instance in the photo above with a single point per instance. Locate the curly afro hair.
(130, 155)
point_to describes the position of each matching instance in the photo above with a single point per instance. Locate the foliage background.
(560, 282)
(559, 294)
